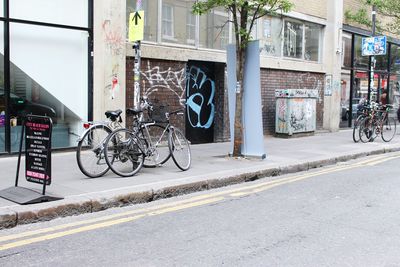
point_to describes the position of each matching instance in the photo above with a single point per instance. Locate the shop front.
(44, 62)
(356, 73)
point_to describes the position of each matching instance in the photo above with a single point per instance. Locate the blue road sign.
(374, 46)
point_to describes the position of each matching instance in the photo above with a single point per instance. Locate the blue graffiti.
(196, 105)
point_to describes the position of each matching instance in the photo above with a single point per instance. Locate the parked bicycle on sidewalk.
(147, 142)
(90, 150)
(378, 122)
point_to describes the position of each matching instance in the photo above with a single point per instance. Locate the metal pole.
(136, 75)
(136, 66)
(372, 58)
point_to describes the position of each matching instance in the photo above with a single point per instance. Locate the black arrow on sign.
(136, 17)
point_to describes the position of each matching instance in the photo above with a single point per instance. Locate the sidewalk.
(211, 168)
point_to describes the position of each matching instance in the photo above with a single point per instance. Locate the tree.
(389, 11)
(244, 15)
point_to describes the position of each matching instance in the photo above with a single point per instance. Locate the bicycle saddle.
(133, 111)
(113, 114)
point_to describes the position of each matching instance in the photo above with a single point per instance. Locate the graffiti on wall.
(113, 38)
(200, 91)
(309, 81)
(158, 80)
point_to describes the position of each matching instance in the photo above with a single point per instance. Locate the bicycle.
(146, 143)
(378, 123)
(363, 112)
(90, 149)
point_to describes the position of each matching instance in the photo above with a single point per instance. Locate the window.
(360, 61)
(271, 36)
(293, 39)
(167, 21)
(191, 28)
(312, 41)
(346, 50)
(215, 29)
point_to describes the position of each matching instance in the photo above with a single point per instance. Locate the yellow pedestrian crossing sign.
(136, 26)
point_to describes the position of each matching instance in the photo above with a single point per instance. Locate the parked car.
(19, 106)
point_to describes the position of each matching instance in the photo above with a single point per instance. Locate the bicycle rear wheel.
(179, 149)
(122, 153)
(90, 151)
(388, 129)
(159, 150)
(366, 130)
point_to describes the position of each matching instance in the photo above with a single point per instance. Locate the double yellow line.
(39, 235)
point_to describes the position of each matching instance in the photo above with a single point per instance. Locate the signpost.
(37, 132)
(136, 34)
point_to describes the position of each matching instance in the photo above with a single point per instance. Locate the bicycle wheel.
(90, 151)
(366, 130)
(158, 147)
(122, 153)
(179, 149)
(356, 131)
(388, 129)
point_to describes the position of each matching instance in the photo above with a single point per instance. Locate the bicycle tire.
(90, 151)
(159, 144)
(356, 132)
(388, 129)
(123, 153)
(367, 129)
(179, 148)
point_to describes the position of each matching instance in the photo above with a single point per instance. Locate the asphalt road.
(344, 215)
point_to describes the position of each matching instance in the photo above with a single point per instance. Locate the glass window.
(51, 11)
(271, 36)
(62, 87)
(381, 62)
(167, 22)
(360, 61)
(312, 41)
(293, 39)
(346, 49)
(395, 59)
(150, 18)
(214, 31)
(178, 22)
(191, 28)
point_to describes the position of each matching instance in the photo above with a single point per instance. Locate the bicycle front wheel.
(90, 151)
(157, 138)
(356, 130)
(123, 153)
(179, 149)
(366, 130)
(388, 129)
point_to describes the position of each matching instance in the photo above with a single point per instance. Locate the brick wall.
(281, 79)
(164, 81)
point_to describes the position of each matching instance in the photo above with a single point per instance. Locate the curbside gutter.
(94, 202)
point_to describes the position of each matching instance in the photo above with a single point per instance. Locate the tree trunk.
(238, 127)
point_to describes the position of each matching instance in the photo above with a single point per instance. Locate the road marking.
(99, 219)
(106, 224)
(204, 199)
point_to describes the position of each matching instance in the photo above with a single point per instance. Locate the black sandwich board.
(37, 131)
